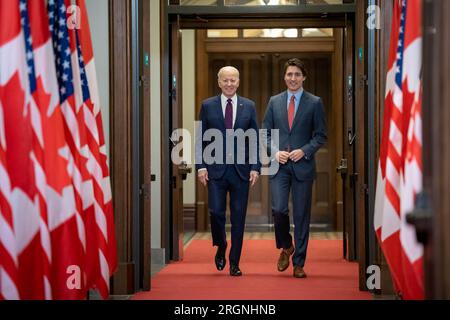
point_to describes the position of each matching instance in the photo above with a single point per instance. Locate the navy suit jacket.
(211, 117)
(308, 130)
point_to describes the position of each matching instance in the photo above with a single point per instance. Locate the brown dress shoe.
(283, 260)
(299, 272)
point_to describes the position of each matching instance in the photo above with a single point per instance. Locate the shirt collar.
(297, 95)
(225, 99)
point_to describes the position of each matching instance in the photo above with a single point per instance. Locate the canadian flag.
(400, 165)
(56, 222)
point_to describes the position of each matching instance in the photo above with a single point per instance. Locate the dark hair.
(295, 62)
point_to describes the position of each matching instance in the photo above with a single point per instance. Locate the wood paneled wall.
(436, 146)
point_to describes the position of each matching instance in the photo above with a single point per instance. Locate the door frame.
(129, 35)
(330, 47)
(226, 17)
(432, 213)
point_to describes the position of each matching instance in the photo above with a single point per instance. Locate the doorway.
(261, 61)
(324, 59)
(261, 77)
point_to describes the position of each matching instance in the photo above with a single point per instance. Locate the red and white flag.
(22, 97)
(400, 165)
(56, 228)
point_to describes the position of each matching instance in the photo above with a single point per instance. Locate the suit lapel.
(301, 108)
(219, 110)
(239, 109)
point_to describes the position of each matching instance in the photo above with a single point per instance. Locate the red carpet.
(329, 276)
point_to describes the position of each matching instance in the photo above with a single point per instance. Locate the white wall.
(188, 72)
(98, 20)
(155, 67)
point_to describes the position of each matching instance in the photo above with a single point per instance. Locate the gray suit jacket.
(308, 131)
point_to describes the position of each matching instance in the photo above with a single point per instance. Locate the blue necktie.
(229, 115)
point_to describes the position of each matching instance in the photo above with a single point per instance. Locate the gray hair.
(229, 69)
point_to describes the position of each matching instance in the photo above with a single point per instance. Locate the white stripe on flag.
(412, 64)
(2, 128)
(100, 219)
(26, 218)
(396, 137)
(93, 85)
(7, 287)
(7, 238)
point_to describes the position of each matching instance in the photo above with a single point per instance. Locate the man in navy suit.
(229, 115)
(300, 118)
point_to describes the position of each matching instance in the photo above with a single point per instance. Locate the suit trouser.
(281, 185)
(217, 195)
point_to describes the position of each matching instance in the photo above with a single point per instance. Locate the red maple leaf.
(19, 136)
(54, 164)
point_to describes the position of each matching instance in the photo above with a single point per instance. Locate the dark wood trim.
(436, 147)
(121, 137)
(337, 128)
(270, 45)
(176, 107)
(252, 23)
(165, 127)
(201, 91)
(146, 145)
(301, 9)
(431, 97)
(360, 141)
(349, 236)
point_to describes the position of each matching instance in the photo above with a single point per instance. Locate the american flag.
(55, 196)
(400, 165)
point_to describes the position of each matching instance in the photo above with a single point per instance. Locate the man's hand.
(282, 156)
(296, 155)
(203, 177)
(254, 176)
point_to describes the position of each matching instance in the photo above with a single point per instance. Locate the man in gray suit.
(300, 118)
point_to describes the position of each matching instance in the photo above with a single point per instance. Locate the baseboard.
(189, 219)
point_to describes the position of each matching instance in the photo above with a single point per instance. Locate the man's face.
(229, 83)
(294, 78)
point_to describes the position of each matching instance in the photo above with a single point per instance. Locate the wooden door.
(176, 217)
(146, 175)
(432, 215)
(346, 168)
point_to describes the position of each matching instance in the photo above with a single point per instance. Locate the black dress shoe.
(219, 259)
(235, 271)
